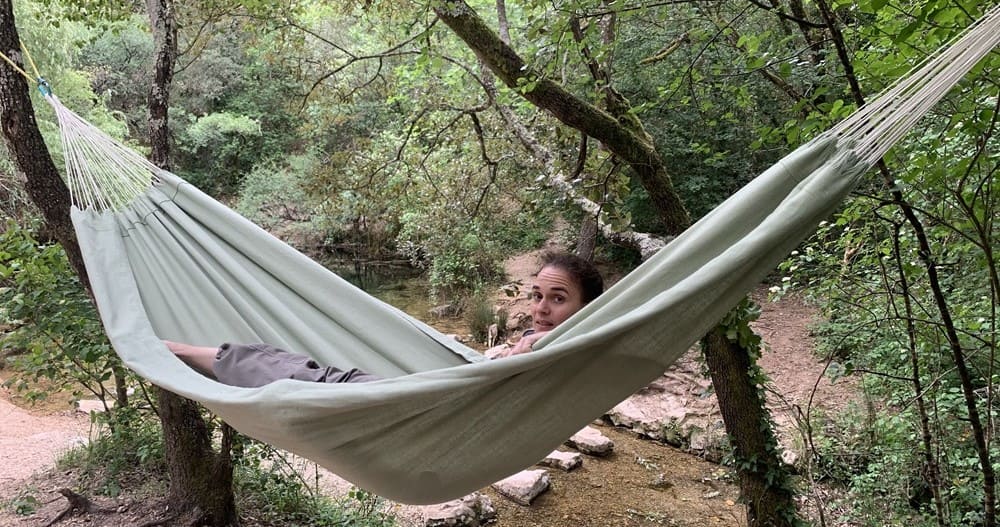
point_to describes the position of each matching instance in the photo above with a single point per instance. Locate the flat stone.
(524, 486)
(678, 408)
(473, 510)
(591, 441)
(562, 460)
(86, 406)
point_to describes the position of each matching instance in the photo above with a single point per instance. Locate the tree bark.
(763, 477)
(32, 161)
(165, 46)
(201, 480)
(586, 242)
(622, 133)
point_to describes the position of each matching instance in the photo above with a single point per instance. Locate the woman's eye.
(559, 299)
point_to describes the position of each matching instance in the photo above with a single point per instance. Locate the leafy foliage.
(226, 146)
(125, 451)
(57, 334)
(273, 485)
(888, 321)
(24, 503)
(369, 126)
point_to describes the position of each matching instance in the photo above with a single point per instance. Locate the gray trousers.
(253, 365)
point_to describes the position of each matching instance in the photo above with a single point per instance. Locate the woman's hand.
(522, 346)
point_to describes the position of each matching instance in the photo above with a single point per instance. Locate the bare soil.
(643, 483)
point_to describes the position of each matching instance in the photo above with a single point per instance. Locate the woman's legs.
(252, 365)
(200, 358)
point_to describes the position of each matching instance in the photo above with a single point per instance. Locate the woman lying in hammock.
(564, 284)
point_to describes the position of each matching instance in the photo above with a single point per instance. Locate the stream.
(403, 287)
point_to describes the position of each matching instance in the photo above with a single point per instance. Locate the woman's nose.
(543, 306)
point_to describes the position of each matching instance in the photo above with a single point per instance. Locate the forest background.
(369, 129)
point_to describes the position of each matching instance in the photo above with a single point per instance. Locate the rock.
(524, 486)
(446, 310)
(678, 408)
(592, 442)
(473, 510)
(562, 460)
(511, 290)
(87, 406)
(789, 456)
(517, 322)
(660, 482)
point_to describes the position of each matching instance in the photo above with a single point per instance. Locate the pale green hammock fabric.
(167, 261)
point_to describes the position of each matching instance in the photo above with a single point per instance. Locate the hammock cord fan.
(167, 261)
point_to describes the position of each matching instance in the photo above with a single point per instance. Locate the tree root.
(187, 518)
(78, 503)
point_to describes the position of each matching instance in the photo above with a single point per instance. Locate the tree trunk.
(624, 136)
(763, 477)
(31, 157)
(165, 47)
(586, 242)
(931, 472)
(622, 133)
(201, 480)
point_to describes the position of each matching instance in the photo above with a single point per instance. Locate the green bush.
(480, 316)
(24, 503)
(273, 193)
(58, 335)
(217, 150)
(271, 485)
(125, 451)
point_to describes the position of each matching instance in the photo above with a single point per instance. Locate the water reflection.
(401, 286)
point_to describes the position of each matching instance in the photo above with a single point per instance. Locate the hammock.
(167, 261)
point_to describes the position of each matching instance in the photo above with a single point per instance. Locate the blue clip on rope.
(43, 87)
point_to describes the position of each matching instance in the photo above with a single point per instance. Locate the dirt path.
(31, 440)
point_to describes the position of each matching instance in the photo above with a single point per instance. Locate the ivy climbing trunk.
(201, 479)
(765, 488)
(764, 481)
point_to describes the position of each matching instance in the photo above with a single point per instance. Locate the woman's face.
(555, 296)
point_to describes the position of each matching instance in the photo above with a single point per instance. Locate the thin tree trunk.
(932, 472)
(937, 291)
(165, 46)
(201, 480)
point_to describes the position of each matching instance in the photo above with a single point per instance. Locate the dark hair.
(582, 271)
